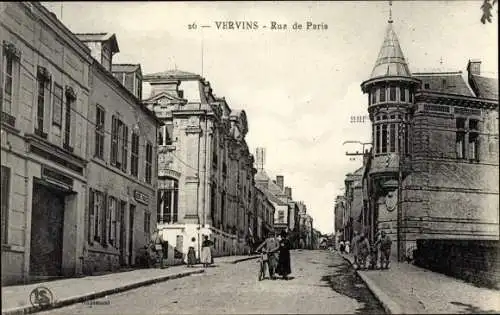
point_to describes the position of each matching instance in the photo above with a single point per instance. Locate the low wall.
(475, 261)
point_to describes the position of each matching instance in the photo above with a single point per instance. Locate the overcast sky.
(298, 88)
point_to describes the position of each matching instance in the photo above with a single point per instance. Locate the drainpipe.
(198, 194)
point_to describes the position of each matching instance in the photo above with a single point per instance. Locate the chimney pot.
(474, 67)
(280, 181)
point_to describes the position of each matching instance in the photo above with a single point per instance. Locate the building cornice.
(70, 38)
(455, 99)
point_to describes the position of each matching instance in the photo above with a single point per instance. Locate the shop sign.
(141, 197)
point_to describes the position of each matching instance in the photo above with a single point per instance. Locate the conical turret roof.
(390, 61)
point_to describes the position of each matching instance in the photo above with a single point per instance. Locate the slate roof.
(485, 87)
(124, 67)
(445, 82)
(390, 60)
(99, 37)
(174, 74)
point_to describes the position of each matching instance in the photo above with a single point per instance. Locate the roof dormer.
(102, 46)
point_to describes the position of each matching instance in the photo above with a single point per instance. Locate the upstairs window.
(384, 139)
(10, 73)
(70, 103)
(402, 94)
(374, 96)
(473, 124)
(149, 162)
(460, 123)
(382, 94)
(474, 146)
(43, 80)
(99, 132)
(460, 145)
(392, 93)
(134, 155)
(57, 105)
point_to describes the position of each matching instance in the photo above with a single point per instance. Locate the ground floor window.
(168, 201)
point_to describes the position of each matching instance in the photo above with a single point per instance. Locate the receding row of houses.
(431, 177)
(90, 168)
(78, 151)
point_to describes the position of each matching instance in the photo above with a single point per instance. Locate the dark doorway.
(131, 235)
(123, 229)
(47, 219)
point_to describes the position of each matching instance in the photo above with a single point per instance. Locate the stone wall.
(474, 261)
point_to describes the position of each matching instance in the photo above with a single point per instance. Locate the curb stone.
(388, 304)
(27, 309)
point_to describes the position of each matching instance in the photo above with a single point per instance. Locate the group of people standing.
(366, 255)
(276, 252)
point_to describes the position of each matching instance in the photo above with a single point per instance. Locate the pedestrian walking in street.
(347, 247)
(284, 268)
(363, 248)
(385, 248)
(191, 256)
(342, 247)
(270, 248)
(355, 248)
(378, 253)
(206, 251)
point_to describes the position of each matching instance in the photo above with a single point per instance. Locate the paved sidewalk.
(16, 299)
(408, 289)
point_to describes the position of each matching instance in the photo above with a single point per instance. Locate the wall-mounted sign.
(141, 197)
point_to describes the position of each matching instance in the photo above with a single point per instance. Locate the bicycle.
(262, 265)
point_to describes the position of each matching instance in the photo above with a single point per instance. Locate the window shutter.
(125, 148)
(91, 210)
(113, 140)
(104, 220)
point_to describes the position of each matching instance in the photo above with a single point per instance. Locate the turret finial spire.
(390, 12)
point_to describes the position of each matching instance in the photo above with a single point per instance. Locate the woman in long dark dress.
(284, 268)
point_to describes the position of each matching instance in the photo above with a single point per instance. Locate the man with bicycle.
(270, 248)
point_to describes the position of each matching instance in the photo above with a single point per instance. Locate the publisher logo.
(41, 296)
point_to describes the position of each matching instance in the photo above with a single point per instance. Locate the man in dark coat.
(284, 268)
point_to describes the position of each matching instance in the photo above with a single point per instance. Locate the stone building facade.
(120, 212)
(262, 217)
(205, 173)
(45, 91)
(435, 137)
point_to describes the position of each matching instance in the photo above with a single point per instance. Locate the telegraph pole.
(402, 150)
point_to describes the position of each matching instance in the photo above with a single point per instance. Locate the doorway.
(123, 229)
(47, 220)
(131, 235)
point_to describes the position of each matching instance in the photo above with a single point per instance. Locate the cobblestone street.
(322, 282)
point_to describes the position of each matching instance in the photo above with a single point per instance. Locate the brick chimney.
(474, 67)
(366, 156)
(288, 192)
(280, 180)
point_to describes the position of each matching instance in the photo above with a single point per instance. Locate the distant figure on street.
(378, 253)
(284, 268)
(206, 251)
(270, 248)
(191, 256)
(342, 247)
(355, 247)
(363, 250)
(347, 247)
(385, 248)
